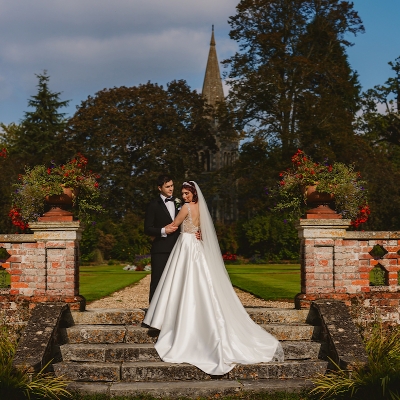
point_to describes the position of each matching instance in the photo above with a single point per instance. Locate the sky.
(89, 45)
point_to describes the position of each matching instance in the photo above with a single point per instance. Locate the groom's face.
(167, 189)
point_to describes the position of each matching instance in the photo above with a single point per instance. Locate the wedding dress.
(200, 318)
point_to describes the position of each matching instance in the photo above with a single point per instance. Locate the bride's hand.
(171, 228)
(198, 235)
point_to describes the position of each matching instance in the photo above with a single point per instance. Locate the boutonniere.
(177, 203)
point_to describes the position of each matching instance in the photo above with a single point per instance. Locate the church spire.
(212, 86)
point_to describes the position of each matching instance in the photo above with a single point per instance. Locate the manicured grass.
(102, 280)
(268, 281)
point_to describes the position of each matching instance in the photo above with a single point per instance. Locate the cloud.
(89, 45)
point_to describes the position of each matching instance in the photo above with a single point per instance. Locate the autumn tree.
(290, 80)
(132, 134)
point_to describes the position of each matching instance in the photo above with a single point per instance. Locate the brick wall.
(44, 267)
(336, 264)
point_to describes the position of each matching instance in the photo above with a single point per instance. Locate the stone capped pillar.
(58, 267)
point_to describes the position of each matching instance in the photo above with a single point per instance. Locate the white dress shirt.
(171, 209)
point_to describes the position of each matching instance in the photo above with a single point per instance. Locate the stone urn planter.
(320, 202)
(59, 205)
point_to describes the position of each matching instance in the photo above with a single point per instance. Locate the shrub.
(19, 384)
(380, 379)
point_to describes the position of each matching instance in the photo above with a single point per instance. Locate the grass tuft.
(379, 380)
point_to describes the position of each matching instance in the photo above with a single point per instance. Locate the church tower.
(212, 86)
(222, 209)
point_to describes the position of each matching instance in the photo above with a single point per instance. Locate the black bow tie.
(169, 199)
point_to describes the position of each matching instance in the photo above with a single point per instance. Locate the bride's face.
(187, 195)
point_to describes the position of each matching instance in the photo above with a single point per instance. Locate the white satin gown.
(203, 322)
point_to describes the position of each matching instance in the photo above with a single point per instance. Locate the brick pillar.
(317, 251)
(57, 264)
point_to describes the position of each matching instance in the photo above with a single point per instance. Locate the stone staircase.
(108, 351)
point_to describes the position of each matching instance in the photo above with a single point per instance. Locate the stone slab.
(277, 315)
(160, 371)
(105, 316)
(275, 385)
(89, 388)
(156, 371)
(285, 370)
(135, 317)
(88, 372)
(345, 343)
(34, 349)
(292, 331)
(294, 350)
(94, 334)
(195, 389)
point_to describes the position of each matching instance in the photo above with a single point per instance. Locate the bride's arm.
(181, 216)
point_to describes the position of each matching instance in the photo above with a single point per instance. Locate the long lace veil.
(210, 241)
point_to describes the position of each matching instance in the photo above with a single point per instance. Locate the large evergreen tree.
(37, 139)
(291, 82)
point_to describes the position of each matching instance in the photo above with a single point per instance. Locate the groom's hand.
(171, 228)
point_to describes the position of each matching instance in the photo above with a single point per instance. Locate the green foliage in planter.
(338, 179)
(379, 380)
(19, 384)
(41, 181)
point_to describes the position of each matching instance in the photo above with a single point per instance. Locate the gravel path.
(136, 296)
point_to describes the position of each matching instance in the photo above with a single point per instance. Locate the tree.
(383, 126)
(291, 68)
(132, 134)
(37, 139)
(379, 126)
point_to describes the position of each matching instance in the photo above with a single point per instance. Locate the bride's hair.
(192, 188)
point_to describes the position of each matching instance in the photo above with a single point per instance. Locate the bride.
(200, 318)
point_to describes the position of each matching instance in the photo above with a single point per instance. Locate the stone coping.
(17, 238)
(323, 223)
(56, 226)
(372, 235)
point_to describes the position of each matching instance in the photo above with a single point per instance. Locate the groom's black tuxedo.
(158, 216)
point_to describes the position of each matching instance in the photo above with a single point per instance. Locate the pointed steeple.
(212, 86)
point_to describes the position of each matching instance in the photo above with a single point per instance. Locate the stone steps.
(138, 334)
(128, 352)
(211, 389)
(109, 351)
(143, 371)
(136, 316)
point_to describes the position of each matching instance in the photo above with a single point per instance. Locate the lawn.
(268, 281)
(102, 280)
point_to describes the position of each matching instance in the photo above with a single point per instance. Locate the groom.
(160, 214)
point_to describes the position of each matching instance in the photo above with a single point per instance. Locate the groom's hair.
(163, 179)
(192, 188)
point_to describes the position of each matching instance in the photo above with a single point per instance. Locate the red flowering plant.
(341, 180)
(40, 181)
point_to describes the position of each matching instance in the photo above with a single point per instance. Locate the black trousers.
(158, 262)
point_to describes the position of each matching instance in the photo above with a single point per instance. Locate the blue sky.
(88, 45)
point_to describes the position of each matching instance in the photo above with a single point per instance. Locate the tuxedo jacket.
(157, 216)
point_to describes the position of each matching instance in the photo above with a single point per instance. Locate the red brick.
(19, 285)
(30, 245)
(350, 243)
(360, 282)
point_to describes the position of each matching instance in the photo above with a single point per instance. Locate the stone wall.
(44, 267)
(337, 264)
